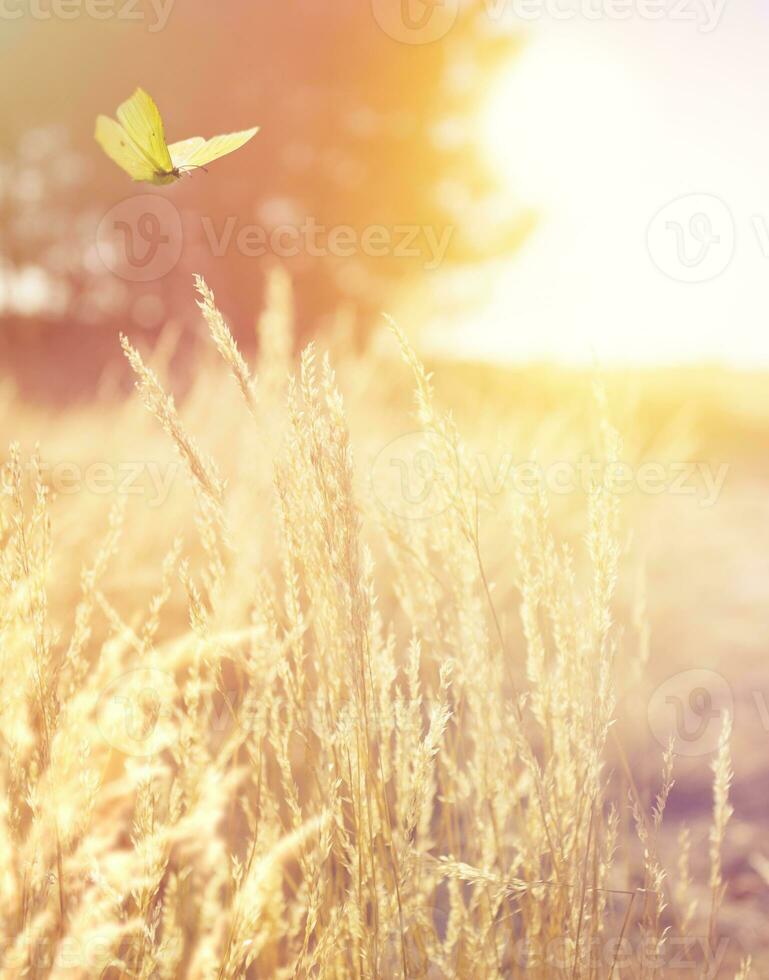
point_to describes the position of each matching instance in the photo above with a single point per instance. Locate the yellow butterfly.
(137, 144)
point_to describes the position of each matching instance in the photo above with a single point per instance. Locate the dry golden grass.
(265, 722)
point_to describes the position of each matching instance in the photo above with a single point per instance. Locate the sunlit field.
(351, 684)
(384, 501)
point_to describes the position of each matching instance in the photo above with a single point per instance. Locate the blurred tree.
(364, 174)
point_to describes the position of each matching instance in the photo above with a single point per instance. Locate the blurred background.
(552, 180)
(535, 189)
(359, 132)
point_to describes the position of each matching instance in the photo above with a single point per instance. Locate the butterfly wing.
(198, 152)
(118, 146)
(137, 142)
(183, 150)
(140, 118)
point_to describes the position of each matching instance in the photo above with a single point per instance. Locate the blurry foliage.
(43, 239)
(357, 129)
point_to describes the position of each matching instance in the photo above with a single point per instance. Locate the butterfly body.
(169, 176)
(136, 142)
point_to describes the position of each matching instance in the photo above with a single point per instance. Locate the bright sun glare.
(552, 122)
(563, 126)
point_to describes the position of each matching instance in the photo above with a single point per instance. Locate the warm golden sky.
(600, 124)
(642, 144)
